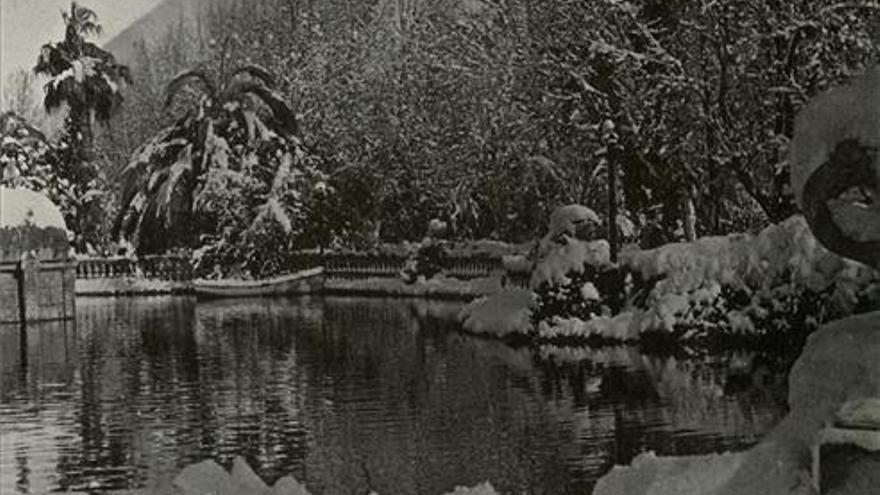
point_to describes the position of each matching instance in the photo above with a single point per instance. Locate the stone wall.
(9, 301)
(37, 276)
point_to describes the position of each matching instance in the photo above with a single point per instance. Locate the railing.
(161, 267)
(473, 266)
(350, 266)
(355, 266)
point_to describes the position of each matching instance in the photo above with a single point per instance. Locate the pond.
(348, 394)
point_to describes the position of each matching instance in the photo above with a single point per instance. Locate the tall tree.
(83, 77)
(86, 80)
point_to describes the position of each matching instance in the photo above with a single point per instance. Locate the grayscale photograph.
(440, 247)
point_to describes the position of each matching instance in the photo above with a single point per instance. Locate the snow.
(784, 255)
(589, 292)
(649, 474)
(208, 477)
(622, 327)
(568, 220)
(782, 261)
(505, 313)
(861, 413)
(19, 207)
(437, 286)
(838, 366)
(557, 263)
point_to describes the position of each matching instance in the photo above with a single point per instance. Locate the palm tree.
(83, 77)
(241, 128)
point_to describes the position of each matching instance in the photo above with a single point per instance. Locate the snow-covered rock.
(502, 314)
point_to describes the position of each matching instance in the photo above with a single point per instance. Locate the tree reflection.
(349, 395)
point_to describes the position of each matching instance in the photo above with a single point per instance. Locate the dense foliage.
(488, 114)
(30, 160)
(229, 177)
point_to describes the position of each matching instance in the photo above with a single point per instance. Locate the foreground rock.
(839, 365)
(209, 478)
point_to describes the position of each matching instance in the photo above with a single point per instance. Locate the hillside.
(153, 25)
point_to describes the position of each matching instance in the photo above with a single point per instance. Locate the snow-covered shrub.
(575, 279)
(778, 283)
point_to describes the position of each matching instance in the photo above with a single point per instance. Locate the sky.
(25, 25)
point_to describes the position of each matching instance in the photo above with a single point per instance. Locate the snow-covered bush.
(778, 283)
(575, 279)
(776, 286)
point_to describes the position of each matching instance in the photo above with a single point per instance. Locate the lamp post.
(610, 140)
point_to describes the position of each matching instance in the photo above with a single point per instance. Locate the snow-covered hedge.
(779, 282)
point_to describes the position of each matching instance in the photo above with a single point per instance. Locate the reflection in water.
(346, 395)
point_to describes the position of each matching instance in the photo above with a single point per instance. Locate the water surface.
(347, 395)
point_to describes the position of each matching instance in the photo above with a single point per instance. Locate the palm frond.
(272, 210)
(51, 61)
(171, 197)
(83, 19)
(281, 174)
(94, 51)
(282, 114)
(250, 116)
(60, 90)
(256, 72)
(183, 79)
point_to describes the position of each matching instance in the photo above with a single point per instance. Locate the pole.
(612, 208)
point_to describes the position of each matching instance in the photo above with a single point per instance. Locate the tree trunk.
(690, 217)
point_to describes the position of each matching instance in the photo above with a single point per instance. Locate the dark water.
(346, 394)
